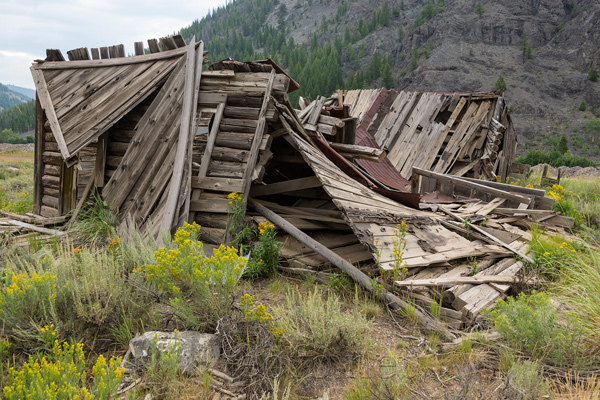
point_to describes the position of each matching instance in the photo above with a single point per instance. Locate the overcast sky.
(29, 27)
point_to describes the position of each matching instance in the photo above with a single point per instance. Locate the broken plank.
(486, 234)
(472, 185)
(285, 186)
(471, 280)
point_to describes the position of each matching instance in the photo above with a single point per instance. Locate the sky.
(29, 27)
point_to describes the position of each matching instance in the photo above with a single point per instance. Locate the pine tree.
(479, 9)
(500, 84)
(525, 46)
(593, 74)
(563, 145)
(387, 79)
(400, 33)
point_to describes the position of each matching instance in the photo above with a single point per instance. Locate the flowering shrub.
(25, 297)
(185, 273)
(399, 245)
(62, 375)
(258, 312)
(531, 323)
(563, 203)
(265, 255)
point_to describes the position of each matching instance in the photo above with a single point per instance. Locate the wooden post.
(182, 142)
(38, 166)
(389, 298)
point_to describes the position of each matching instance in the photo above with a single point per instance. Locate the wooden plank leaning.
(390, 299)
(46, 102)
(197, 77)
(182, 142)
(488, 235)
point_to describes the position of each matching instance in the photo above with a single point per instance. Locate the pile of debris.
(165, 142)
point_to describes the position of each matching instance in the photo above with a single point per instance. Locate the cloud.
(15, 65)
(29, 27)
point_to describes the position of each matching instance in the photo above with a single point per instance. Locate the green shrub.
(27, 301)
(265, 253)
(531, 324)
(582, 106)
(526, 381)
(200, 289)
(318, 329)
(593, 74)
(564, 202)
(555, 159)
(500, 84)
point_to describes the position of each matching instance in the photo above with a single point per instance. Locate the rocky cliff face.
(455, 45)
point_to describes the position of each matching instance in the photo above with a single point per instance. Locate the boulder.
(195, 349)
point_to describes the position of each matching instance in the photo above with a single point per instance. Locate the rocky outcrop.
(195, 349)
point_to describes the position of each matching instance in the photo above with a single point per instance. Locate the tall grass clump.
(579, 290)
(84, 292)
(587, 200)
(200, 289)
(553, 253)
(95, 223)
(318, 329)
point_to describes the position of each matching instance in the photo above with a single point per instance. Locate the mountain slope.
(29, 93)
(9, 98)
(543, 49)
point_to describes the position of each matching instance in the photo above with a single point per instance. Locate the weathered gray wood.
(192, 133)
(472, 185)
(110, 62)
(389, 298)
(138, 48)
(486, 234)
(48, 107)
(471, 280)
(285, 186)
(35, 228)
(188, 109)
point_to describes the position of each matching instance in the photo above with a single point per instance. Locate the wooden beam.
(285, 186)
(355, 151)
(35, 228)
(207, 156)
(38, 163)
(100, 165)
(48, 107)
(507, 187)
(192, 133)
(461, 280)
(472, 185)
(110, 62)
(390, 299)
(258, 135)
(183, 140)
(139, 48)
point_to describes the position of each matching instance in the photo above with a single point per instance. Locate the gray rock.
(195, 349)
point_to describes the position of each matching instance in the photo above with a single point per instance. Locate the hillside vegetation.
(545, 51)
(10, 98)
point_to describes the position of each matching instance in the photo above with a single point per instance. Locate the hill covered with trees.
(545, 51)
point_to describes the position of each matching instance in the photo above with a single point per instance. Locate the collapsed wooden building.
(163, 141)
